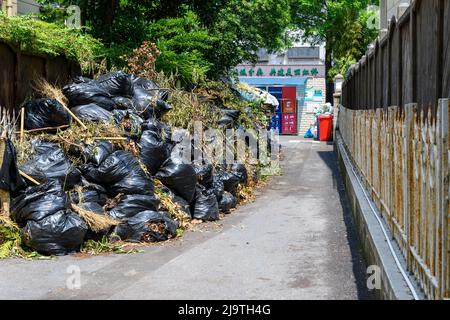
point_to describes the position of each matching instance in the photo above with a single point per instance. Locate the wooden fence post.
(4, 194)
(442, 176)
(408, 176)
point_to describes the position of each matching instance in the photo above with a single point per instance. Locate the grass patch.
(105, 245)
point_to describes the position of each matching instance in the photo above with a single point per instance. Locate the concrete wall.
(306, 114)
(27, 6)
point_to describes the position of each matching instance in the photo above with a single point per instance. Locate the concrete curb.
(374, 244)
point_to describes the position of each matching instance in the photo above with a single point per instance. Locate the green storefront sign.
(281, 72)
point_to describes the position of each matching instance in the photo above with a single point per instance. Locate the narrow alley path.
(295, 242)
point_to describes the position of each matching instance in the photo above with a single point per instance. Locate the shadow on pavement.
(359, 267)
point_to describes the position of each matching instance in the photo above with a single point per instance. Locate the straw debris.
(96, 222)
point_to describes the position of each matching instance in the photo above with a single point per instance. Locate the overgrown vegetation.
(198, 103)
(38, 37)
(342, 25)
(174, 209)
(196, 37)
(104, 246)
(11, 243)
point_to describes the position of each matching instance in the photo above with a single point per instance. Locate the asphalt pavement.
(296, 241)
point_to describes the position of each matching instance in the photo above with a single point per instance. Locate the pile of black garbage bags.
(101, 179)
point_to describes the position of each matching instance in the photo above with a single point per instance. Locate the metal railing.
(403, 157)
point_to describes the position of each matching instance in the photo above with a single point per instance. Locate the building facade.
(19, 7)
(391, 8)
(296, 77)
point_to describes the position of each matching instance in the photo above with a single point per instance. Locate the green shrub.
(181, 42)
(42, 38)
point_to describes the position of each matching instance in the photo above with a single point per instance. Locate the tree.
(341, 25)
(183, 43)
(212, 36)
(242, 27)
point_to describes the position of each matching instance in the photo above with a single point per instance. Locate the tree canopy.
(341, 25)
(210, 37)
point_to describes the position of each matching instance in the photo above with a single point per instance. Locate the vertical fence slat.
(402, 155)
(18, 71)
(403, 152)
(442, 176)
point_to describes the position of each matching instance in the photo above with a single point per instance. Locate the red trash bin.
(326, 128)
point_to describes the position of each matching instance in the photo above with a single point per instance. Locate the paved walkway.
(295, 242)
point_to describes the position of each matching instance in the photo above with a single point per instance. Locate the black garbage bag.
(233, 114)
(10, 179)
(136, 182)
(205, 175)
(38, 202)
(147, 226)
(116, 83)
(92, 113)
(240, 171)
(218, 187)
(230, 181)
(80, 94)
(143, 83)
(50, 163)
(205, 206)
(229, 118)
(81, 79)
(123, 103)
(159, 128)
(183, 204)
(226, 122)
(143, 100)
(146, 93)
(227, 203)
(179, 177)
(152, 125)
(113, 169)
(97, 152)
(154, 151)
(167, 191)
(89, 193)
(129, 121)
(130, 205)
(89, 172)
(153, 110)
(58, 234)
(93, 207)
(149, 87)
(45, 113)
(120, 173)
(161, 108)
